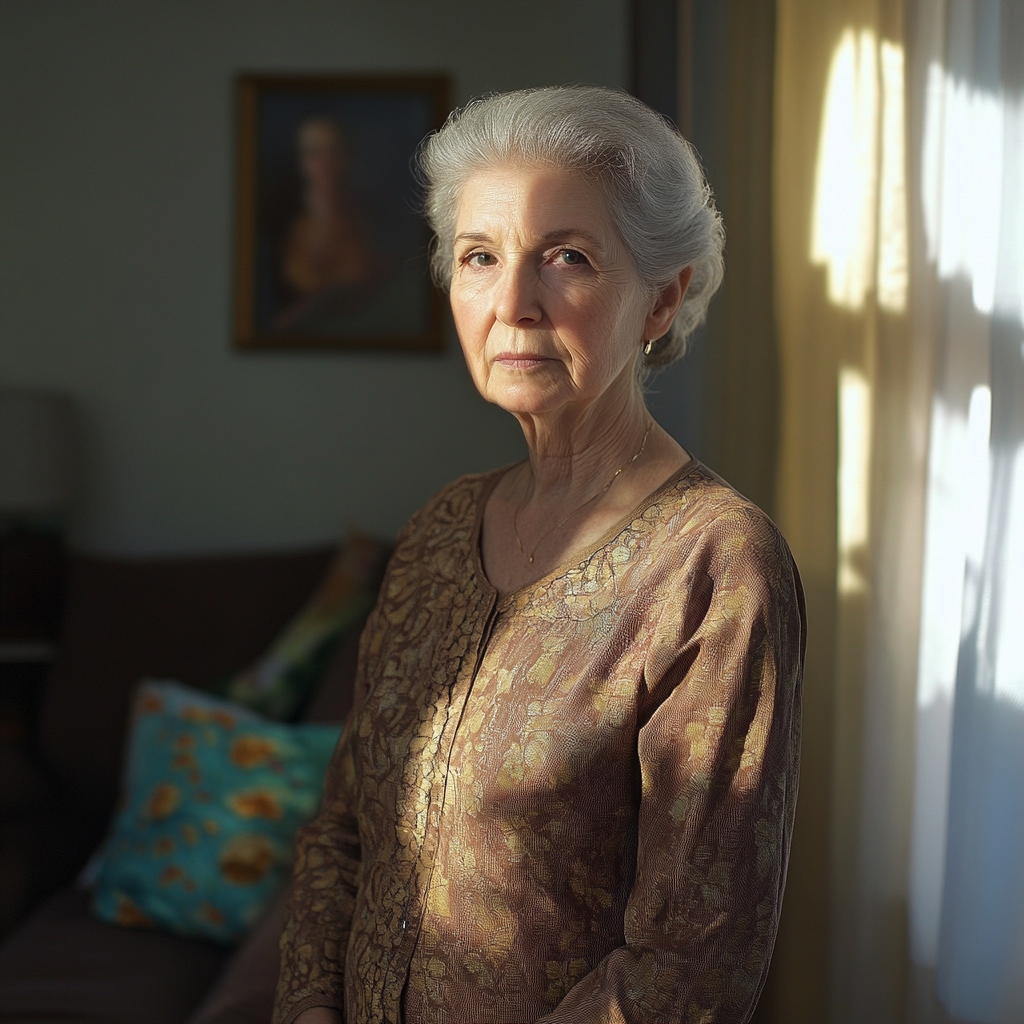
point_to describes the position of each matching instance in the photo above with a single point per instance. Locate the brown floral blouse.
(573, 803)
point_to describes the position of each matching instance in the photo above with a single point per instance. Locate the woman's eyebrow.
(565, 234)
(558, 235)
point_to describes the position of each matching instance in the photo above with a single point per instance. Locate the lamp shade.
(38, 467)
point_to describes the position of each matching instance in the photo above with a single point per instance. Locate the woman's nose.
(518, 299)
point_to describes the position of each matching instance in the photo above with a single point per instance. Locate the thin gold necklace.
(515, 514)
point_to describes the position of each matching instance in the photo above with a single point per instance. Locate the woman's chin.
(523, 400)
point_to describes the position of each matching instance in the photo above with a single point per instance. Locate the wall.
(708, 65)
(116, 192)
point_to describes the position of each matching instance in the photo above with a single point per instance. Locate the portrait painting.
(331, 244)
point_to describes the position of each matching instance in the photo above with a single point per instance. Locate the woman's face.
(546, 301)
(321, 153)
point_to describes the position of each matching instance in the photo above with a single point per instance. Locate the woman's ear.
(670, 298)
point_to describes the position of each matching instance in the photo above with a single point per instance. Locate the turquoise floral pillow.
(212, 797)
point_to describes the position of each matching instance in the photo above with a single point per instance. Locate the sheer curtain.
(967, 860)
(899, 261)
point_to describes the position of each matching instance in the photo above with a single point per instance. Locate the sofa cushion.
(280, 684)
(65, 967)
(193, 619)
(213, 795)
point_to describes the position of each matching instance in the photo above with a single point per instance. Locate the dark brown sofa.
(196, 620)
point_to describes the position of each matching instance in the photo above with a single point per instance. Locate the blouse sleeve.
(718, 751)
(326, 878)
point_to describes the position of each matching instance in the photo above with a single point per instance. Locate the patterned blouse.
(572, 803)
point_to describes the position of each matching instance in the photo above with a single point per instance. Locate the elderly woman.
(566, 789)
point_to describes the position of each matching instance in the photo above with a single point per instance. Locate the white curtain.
(898, 222)
(967, 847)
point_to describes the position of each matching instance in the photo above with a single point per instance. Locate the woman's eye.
(572, 258)
(479, 259)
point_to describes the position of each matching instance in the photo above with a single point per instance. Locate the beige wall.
(116, 156)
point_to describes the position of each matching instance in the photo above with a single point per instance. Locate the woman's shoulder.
(718, 524)
(716, 541)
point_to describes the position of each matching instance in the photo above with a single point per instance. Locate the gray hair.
(655, 188)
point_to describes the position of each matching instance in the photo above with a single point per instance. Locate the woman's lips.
(519, 360)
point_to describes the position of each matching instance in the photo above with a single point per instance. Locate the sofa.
(196, 620)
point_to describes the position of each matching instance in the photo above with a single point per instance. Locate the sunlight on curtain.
(859, 233)
(843, 236)
(859, 225)
(973, 226)
(892, 270)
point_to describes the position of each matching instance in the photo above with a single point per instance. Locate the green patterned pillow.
(281, 682)
(212, 797)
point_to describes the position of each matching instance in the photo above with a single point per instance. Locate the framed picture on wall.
(331, 248)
